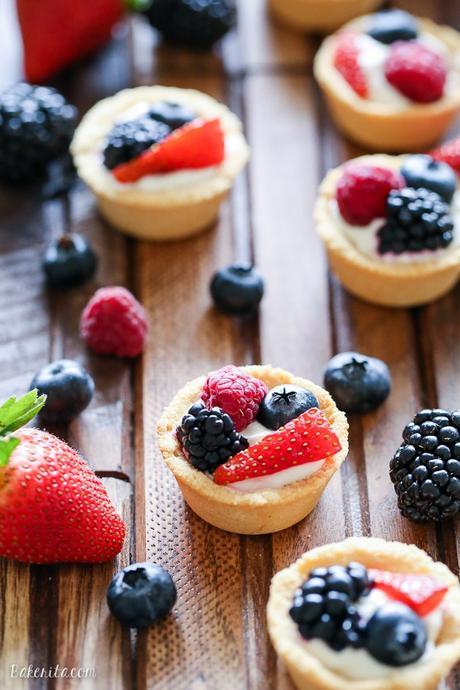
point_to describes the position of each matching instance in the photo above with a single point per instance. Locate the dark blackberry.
(36, 126)
(323, 607)
(174, 115)
(417, 220)
(209, 437)
(129, 139)
(194, 23)
(425, 469)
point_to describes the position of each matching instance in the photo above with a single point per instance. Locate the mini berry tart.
(391, 80)
(160, 160)
(391, 226)
(366, 614)
(319, 15)
(252, 448)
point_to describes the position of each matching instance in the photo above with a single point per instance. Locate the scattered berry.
(208, 437)
(392, 25)
(70, 260)
(127, 140)
(421, 593)
(396, 636)
(346, 61)
(425, 469)
(416, 71)
(68, 388)
(424, 171)
(362, 192)
(174, 115)
(114, 323)
(141, 594)
(237, 289)
(307, 438)
(36, 126)
(417, 220)
(237, 393)
(283, 404)
(356, 382)
(449, 153)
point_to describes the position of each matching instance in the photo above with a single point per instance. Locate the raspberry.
(362, 192)
(346, 62)
(449, 153)
(114, 323)
(236, 393)
(416, 71)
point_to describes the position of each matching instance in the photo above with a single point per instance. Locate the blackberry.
(194, 23)
(209, 437)
(36, 126)
(129, 139)
(425, 469)
(323, 607)
(417, 219)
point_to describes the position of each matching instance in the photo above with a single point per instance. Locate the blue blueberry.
(237, 289)
(68, 387)
(174, 115)
(284, 403)
(141, 594)
(421, 170)
(356, 382)
(396, 636)
(69, 261)
(389, 26)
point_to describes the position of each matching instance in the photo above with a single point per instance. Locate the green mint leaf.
(7, 445)
(16, 412)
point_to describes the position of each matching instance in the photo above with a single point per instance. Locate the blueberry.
(396, 636)
(68, 387)
(237, 289)
(392, 25)
(284, 403)
(356, 382)
(174, 115)
(141, 594)
(69, 261)
(422, 170)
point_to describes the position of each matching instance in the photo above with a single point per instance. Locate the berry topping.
(416, 71)
(208, 437)
(392, 25)
(323, 607)
(237, 393)
(421, 170)
(425, 469)
(195, 24)
(422, 593)
(70, 260)
(396, 636)
(36, 126)
(141, 594)
(417, 220)
(362, 192)
(237, 289)
(346, 62)
(174, 115)
(198, 144)
(114, 323)
(127, 140)
(68, 388)
(356, 382)
(307, 438)
(449, 153)
(284, 403)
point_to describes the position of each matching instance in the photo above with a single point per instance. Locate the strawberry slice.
(346, 62)
(198, 144)
(422, 593)
(307, 438)
(449, 153)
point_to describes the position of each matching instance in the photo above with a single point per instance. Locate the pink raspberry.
(416, 71)
(236, 393)
(362, 192)
(114, 323)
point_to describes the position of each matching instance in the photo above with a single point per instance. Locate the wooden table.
(216, 639)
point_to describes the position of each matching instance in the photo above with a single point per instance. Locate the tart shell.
(259, 512)
(307, 671)
(319, 15)
(379, 126)
(387, 284)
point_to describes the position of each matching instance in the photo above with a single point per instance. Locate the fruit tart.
(391, 80)
(252, 448)
(160, 160)
(366, 614)
(319, 15)
(391, 226)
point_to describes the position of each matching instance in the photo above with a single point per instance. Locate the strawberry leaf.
(7, 445)
(16, 412)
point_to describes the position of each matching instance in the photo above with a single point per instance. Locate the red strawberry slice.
(198, 144)
(422, 593)
(346, 62)
(449, 153)
(307, 438)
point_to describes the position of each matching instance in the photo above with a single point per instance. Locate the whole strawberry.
(114, 323)
(53, 508)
